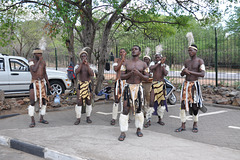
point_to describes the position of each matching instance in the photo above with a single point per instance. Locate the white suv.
(15, 76)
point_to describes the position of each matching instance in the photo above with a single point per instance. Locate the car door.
(19, 76)
(4, 78)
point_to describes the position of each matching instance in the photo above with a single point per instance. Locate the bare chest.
(132, 66)
(84, 69)
(192, 65)
(41, 67)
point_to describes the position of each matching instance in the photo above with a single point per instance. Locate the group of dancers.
(137, 83)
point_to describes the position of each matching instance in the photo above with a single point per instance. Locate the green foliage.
(233, 23)
(151, 19)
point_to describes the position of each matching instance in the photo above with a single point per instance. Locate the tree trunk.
(88, 32)
(71, 53)
(103, 51)
(70, 46)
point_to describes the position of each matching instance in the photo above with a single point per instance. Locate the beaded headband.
(82, 53)
(37, 51)
(193, 47)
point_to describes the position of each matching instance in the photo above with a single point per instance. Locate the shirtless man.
(119, 84)
(134, 73)
(146, 86)
(84, 73)
(147, 60)
(191, 97)
(37, 87)
(157, 91)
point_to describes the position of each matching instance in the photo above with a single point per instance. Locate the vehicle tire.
(58, 87)
(172, 99)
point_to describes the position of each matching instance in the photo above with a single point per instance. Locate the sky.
(223, 7)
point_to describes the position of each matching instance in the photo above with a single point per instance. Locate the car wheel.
(57, 86)
(172, 99)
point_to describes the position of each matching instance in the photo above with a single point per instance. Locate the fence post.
(116, 50)
(56, 57)
(216, 58)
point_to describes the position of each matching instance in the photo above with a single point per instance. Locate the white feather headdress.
(147, 52)
(159, 49)
(83, 51)
(190, 38)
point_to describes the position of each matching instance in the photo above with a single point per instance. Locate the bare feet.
(147, 124)
(139, 133)
(122, 136)
(182, 128)
(195, 129)
(77, 121)
(113, 121)
(88, 120)
(32, 125)
(43, 121)
(161, 123)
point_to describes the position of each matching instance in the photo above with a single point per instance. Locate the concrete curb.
(9, 115)
(36, 150)
(55, 155)
(4, 141)
(27, 147)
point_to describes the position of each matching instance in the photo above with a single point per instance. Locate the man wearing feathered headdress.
(84, 73)
(158, 89)
(119, 84)
(147, 84)
(191, 96)
(38, 88)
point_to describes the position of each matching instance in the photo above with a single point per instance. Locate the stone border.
(27, 147)
(36, 150)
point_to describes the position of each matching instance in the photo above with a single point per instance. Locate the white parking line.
(233, 127)
(211, 113)
(177, 117)
(104, 113)
(200, 115)
(170, 106)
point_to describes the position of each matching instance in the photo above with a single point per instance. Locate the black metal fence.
(221, 56)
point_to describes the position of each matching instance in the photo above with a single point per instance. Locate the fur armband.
(183, 68)
(202, 67)
(123, 68)
(31, 63)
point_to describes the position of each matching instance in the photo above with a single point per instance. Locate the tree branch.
(190, 11)
(80, 35)
(105, 16)
(101, 6)
(22, 2)
(149, 21)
